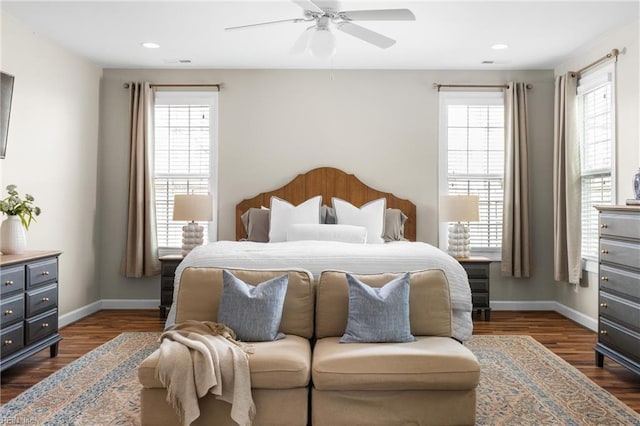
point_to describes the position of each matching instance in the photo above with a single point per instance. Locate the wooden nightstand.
(167, 274)
(478, 272)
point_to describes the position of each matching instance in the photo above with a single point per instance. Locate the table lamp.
(192, 207)
(459, 209)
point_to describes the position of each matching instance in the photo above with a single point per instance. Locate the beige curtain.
(141, 251)
(516, 238)
(566, 183)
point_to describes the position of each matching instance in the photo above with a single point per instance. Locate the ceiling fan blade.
(366, 35)
(261, 24)
(302, 42)
(378, 15)
(327, 5)
(308, 5)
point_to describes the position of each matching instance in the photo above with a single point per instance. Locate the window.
(596, 134)
(472, 160)
(185, 150)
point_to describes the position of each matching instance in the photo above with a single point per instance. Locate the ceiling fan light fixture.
(323, 43)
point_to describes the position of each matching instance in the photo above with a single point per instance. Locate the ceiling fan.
(319, 38)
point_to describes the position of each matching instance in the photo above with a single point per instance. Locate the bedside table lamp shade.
(458, 209)
(192, 208)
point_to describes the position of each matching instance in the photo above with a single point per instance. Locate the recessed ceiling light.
(500, 46)
(150, 45)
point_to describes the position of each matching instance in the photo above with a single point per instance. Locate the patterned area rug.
(522, 383)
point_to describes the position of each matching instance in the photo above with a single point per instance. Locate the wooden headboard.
(328, 182)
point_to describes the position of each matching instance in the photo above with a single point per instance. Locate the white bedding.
(317, 256)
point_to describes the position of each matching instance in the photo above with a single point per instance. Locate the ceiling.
(445, 34)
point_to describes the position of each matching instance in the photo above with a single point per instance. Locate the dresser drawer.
(620, 338)
(619, 252)
(11, 279)
(41, 326)
(620, 225)
(480, 300)
(481, 285)
(12, 310)
(620, 311)
(11, 339)
(621, 282)
(477, 270)
(42, 299)
(42, 272)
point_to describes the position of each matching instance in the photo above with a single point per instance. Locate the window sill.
(494, 256)
(590, 265)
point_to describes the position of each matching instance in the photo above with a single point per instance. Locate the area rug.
(522, 383)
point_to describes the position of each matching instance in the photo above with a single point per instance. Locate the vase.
(13, 238)
(636, 184)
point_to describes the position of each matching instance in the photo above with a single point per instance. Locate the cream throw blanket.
(200, 357)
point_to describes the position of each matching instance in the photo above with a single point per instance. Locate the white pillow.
(325, 232)
(370, 215)
(285, 214)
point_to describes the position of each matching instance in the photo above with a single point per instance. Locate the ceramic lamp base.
(192, 236)
(459, 240)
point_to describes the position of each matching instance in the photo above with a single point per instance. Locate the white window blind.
(472, 140)
(184, 144)
(596, 132)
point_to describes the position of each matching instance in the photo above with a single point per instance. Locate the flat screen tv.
(6, 93)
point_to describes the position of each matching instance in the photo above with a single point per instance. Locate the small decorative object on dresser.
(636, 184)
(477, 269)
(192, 207)
(459, 209)
(619, 286)
(168, 267)
(20, 212)
(29, 305)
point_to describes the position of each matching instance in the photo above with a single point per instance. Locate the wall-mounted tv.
(6, 93)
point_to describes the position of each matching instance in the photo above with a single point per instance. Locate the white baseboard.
(130, 303)
(79, 313)
(546, 305)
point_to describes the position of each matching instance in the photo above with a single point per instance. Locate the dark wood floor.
(567, 339)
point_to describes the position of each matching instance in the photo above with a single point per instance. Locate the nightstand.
(169, 264)
(478, 272)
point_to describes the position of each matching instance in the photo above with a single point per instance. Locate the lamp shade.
(323, 43)
(459, 208)
(192, 207)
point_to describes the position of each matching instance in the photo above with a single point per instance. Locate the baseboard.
(79, 313)
(130, 304)
(546, 305)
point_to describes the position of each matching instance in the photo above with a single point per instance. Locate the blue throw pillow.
(253, 312)
(378, 315)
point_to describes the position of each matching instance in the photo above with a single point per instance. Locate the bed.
(317, 256)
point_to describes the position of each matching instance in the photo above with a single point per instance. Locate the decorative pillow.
(256, 224)
(324, 232)
(253, 312)
(370, 215)
(394, 221)
(328, 215)
(285, 214)
(378, 315)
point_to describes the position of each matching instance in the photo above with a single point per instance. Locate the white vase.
(13, 238)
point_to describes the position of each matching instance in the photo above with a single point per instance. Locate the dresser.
(477, 269)
(619, 286)
(168, 267)
(28, 305)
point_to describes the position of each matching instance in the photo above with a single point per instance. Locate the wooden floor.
(564, 337)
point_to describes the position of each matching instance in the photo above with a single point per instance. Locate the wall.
(381, 126)
(584, 297)
(52, 152)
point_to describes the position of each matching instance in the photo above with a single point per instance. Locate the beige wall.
(274, 124)
(52, 152)
(584, 297)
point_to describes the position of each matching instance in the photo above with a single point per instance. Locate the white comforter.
(317, 256)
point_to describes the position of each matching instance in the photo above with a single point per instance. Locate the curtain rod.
(613, 54)
(438, 86)
(218, 85)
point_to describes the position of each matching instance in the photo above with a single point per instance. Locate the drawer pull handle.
(603, 305)
(604, 278)
(603, 331)
(44, 273)
(8, 312)
(604, 225)
(8, 282)
(604, 251)
(45, 299)
(45, 324)
(8, 342)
